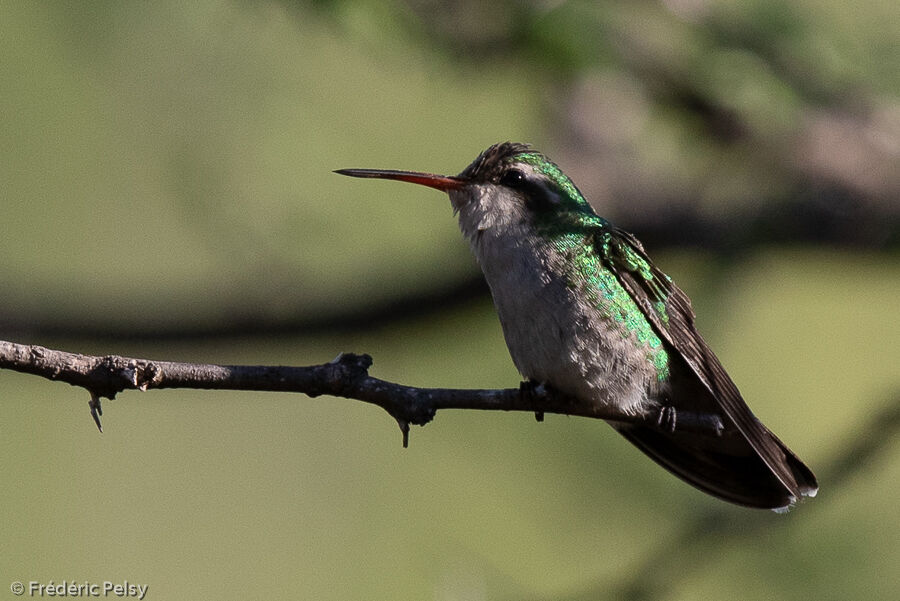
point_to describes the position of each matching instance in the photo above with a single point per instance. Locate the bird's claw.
(530, 387)
(667, 419)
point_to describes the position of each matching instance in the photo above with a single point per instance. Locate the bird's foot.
(667, 419)
(530, 387)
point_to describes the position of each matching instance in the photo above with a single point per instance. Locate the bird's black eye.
(512, 178)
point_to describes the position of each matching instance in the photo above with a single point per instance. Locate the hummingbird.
(585, 312)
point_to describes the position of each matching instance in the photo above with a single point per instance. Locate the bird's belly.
(556, 337)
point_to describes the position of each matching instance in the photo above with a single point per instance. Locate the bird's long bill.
(438, 182)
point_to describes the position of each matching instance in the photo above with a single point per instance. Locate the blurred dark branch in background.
(346, 376)
(241, 323)
(813, 217)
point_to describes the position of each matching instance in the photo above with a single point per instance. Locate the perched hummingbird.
(585, 312)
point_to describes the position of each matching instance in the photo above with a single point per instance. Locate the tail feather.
(728, 467)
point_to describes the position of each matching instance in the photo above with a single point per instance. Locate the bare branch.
(346, 376)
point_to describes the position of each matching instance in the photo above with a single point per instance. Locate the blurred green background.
(165, 174)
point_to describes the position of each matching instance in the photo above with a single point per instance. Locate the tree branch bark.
(346, 376)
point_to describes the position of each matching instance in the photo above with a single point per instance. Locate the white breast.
(553, 334)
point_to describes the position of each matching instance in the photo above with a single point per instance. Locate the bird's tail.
(727, 467)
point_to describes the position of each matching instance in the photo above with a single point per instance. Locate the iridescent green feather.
(570, 192)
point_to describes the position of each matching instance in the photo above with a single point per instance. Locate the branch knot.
(344, 373)
(143, 374)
